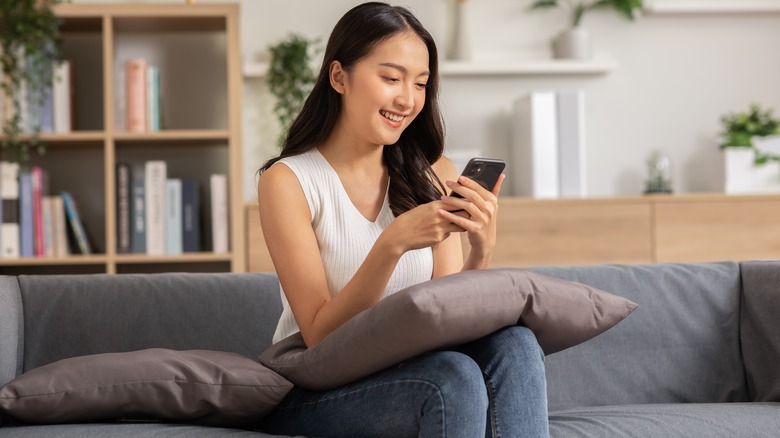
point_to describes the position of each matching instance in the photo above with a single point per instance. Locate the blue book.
(138, 211)
(76, 227)
(26, 215)
(46, 111)
(173, 233)
(190, 200)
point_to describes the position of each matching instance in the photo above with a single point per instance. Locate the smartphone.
(484, 171)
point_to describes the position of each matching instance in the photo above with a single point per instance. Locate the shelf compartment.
(82, 45)
(173, 266)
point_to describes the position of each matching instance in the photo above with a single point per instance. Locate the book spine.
(37, 194)
(173, 221)
(136, 95)
(123, 208)
(139, 211)
(61, 248)
(190, 194)
(219, 213)
(153, 98)
(571, 143)
(47, 209)
(26, 213)
(9, 194)
(61, 96)
(155, 176)
(76, 226)
(46, 111)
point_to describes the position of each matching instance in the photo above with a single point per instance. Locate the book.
(534, 161)
(136, 95)
(138, 211)
(571, 143)
(123, 208)
(60, 227)
(40, 183)
(26, 215)
(9, 194)
(219, 213)
(155, 176)
(47, 214)
(153, 98)
(190, 200)
(173, 220)
(76, 226)
(62, 90)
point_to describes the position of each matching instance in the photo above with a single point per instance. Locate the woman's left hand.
(481, 209)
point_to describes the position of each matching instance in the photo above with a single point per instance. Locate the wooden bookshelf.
(197, 50)
(626, 230)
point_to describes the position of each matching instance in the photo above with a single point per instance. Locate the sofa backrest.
(680, 345)
(11, 328)
(74, 315)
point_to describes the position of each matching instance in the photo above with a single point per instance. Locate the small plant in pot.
(740, 129)
(29, 45)
(290, 77)
(574, 42)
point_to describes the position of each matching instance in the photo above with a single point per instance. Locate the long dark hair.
(412, 180)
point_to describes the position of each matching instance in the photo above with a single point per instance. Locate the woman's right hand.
(420, 227)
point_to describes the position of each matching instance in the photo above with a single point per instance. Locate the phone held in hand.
(485, 171)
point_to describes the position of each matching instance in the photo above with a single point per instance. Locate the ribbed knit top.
(344, 235)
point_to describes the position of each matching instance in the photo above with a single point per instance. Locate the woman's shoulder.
(444, 169)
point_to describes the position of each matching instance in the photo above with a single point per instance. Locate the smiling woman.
(354, 209)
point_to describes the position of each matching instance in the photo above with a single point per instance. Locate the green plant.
(577, 8)
(29, 44)
(740, 128)
(290, 77)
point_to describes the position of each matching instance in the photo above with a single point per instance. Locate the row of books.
(35, 223)
(548, 145)
(159, 215)
(47, 110)
(142, 96)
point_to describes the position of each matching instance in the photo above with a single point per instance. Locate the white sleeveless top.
(344, 235)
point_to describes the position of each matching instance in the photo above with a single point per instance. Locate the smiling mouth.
(392, 117)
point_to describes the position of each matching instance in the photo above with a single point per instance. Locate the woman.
(356, 211)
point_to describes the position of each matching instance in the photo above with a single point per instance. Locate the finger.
(461, 222)
(467, 193)
(473, 185)
(500, 181)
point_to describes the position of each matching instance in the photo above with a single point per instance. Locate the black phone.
(484, 171)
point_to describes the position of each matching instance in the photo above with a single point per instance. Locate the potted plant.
(290, 77)
(574, 42)
(751, 167)
(29, 45)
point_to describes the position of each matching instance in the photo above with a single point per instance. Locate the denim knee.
(516, 340)
(460, 399)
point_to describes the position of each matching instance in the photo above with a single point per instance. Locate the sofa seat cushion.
(446, 312)
(672, 420)
(126, 430)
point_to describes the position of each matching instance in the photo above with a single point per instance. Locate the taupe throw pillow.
(446, 312)
(207, 387)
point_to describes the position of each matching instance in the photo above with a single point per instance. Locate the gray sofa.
(699, 357)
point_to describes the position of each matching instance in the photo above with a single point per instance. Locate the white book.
(173, 221)
(60, 227)
(535, 146)
(9, 196)
(155, 176)
(571, 144)
(219, 213)
(47, 216)
(61, 96)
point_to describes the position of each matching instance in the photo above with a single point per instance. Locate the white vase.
(460, 44)
(572, 43)
(743, 176)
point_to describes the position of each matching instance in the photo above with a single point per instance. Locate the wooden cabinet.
(628, 230)
(196, 48)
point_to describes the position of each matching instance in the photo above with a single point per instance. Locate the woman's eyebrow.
(402, 69)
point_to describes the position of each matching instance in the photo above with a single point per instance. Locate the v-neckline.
(385, 201)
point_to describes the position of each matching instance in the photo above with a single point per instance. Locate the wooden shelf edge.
(58, 261)
(179, 258)
(704, 7)
(527, 67)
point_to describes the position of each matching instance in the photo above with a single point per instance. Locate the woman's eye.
(389, 79)
(421, 86)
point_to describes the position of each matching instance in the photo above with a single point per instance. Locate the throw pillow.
(208, 387)
(446, 312)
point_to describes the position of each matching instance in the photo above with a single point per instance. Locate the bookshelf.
(196, 48)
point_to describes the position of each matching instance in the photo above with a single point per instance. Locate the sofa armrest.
(11, 329)
(760, 328)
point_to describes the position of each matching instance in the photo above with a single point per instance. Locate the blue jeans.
(493, 387)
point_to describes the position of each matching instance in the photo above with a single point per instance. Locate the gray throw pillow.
(446, 312)
(207, 387)
(760, 329)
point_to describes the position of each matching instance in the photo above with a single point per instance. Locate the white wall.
(676, 76)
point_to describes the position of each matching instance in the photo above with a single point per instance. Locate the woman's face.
(385, 90)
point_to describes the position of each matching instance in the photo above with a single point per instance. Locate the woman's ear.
(337, 76)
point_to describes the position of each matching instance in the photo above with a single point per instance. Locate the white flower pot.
(743, 176)
(572, 44)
